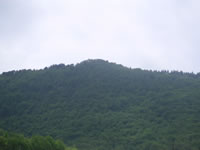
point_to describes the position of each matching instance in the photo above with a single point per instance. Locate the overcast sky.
(149, 34)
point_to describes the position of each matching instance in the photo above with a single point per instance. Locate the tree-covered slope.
(102, 105)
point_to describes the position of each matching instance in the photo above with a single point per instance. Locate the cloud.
(155, 34)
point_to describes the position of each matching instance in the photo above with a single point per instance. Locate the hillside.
(104, 106)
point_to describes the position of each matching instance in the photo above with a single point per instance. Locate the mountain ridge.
(99, 61)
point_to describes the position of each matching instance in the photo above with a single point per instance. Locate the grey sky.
(149, 34)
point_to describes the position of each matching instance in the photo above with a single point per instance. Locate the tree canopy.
(13, 141)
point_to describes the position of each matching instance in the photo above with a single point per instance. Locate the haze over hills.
(101, 105)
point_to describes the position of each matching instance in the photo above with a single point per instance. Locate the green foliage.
(97, 105)
(10, 141)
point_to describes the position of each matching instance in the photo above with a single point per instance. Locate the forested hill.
(104, 106)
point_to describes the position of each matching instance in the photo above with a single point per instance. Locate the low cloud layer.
(157, 34)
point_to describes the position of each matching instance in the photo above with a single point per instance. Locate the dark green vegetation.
(13, 141)
(104, 106)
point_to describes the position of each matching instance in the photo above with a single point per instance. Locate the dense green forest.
(13, 141)
(98, 105)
